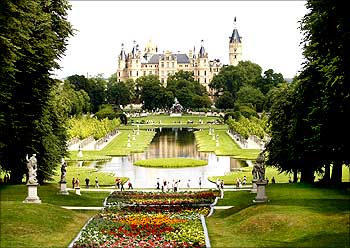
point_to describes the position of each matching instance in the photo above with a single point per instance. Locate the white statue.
(63, 170)
(32, 168)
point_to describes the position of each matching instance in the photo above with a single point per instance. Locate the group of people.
(166, 186)
(120, 185)
(240, 182)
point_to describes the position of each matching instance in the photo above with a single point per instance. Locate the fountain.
(176, 109)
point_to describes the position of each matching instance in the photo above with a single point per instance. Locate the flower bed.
(136, 226)
(162, 198)
(148, 220)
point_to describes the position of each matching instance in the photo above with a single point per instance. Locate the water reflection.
(168, 143)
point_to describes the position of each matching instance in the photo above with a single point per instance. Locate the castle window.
(205, 73)
(235, 56)
(205, 61)
(119, 74)
(130, 74)
(205, 80)
(173, 64)
(167, 64)
(137, 73)
(186, 65)
(150, 73)
(180, 65)
(162, 65)
(145, 65)
(144, 73)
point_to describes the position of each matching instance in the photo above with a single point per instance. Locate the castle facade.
(139, 63)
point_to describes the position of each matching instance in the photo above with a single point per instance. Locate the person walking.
(87, 181)
(73, 182)
(121, 186)
(130, 185)
(200, 182)
(96, 183)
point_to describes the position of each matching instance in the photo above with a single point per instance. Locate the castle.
(150, 62)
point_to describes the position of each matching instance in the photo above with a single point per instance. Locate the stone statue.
(32, 168)
(63, 171)
(258, 171)
(177, 108)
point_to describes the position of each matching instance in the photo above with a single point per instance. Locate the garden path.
(251, 144)
(91, 145)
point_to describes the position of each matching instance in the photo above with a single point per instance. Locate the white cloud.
(269, 29)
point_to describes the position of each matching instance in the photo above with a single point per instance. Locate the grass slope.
(297, 215)
(46, 224)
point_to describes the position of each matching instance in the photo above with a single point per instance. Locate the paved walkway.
(251, 144)
(91, 145)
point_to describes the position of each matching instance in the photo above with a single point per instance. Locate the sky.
(269, 29)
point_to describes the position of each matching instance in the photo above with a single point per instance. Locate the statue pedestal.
(77, 190)
(32, 194)
(254, 189)
(63, 188)
(261, 193)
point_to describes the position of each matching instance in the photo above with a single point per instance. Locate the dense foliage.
(33, 36)
(309, 131)
(85, 127)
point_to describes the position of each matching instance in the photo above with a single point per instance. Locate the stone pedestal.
(261, 193)
(77, 190)
(254, 189)
(32, 194)
(63, 188)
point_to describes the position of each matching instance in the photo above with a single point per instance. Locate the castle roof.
(181, 58)
(235, 36)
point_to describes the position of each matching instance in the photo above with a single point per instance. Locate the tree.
(269, 80)
(324, 81)
(225, 101)
(250, 95)
(149, 88)
(33, 36)
(320, 101)
(118, 94)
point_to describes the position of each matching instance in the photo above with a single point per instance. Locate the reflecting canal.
(171, 143)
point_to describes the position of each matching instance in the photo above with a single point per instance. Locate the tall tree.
(326, 72)
(33, 36)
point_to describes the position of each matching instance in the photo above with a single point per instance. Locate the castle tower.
(235, 46)
(122, 61)
(202, 69)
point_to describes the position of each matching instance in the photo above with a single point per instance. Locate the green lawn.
(297, 215)
(227, 146)
(117, 147)
(46, 224)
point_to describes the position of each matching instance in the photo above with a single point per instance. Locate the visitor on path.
(188, 183)
(73, 182)
(117, 183)
(77, 183)
(96, 183)
(158, 183)
(176, 185)
(217, 183)
(273, 180)
(222, 189)
(130, 185)
(168, 186)
(121, 186)
(244, 180)
(237, 183)
(87, 182)
(200, 182)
